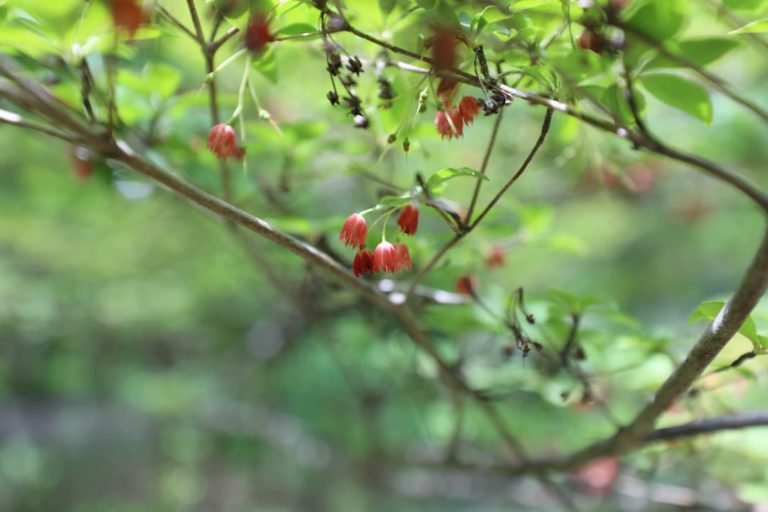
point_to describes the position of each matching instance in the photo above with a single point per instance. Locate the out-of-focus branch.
(709, 426)
(714, 80)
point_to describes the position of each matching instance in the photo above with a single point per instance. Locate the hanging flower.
(363, 263)
(257, 34)
(386, 258)
(468, 109)
(354, 231)
(445, 42)
(496, 257)
(449, 123)
(222, 142)
(446, 88)
(408, 220)
(403, 256)
(128, 15)
(466, 285)
(458, 123)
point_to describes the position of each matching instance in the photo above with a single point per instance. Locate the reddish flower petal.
(408, 219)
(404, 257)
(221, 141)
(457, 123)
(466, 285)
(257, 34)
(127, 14)
(599, 475)
(363, 263)
(468, 109)
(496, 257)
(449, 123)
(354, 231)
(446, 88)
(444, 47)
(385, 258)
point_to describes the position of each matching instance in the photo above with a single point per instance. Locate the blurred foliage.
(147, 364)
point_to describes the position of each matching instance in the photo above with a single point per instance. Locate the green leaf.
(523, 5)
(162, 78)
(680, 93)
(575, 303)
(658, 19)
(448, 173)
(709, 310)
(295, 29)
(744, 5)
(395, 201)
(614, 99)
(386, 6)
(267, 65)
(752, 28)
(701, 52)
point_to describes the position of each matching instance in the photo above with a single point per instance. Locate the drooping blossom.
(468, 109)
(128, 15)
(387, 258)
(466, 285)
(446, 88)
(363, 263)
(445, 42)
(408, 220)
(449, 123)
(222, 142)
(599, 476)
(354, 231)
(404, 256)
(496, 257)
(257, 34)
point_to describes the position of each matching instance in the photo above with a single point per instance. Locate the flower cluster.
(387, 257)
(450, 120)
(222, 142)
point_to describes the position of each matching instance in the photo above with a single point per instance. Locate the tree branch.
(708, 426)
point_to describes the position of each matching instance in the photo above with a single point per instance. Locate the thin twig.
(539, 141)
(484, 164)
(709, 426)
(175, 21)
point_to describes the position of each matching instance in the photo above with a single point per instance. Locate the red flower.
(468, 109)
(257, 34)
(446, 87)
(444, 44)
(599, 475)
(363, 263)
(386, 258)
(466, 285)
(458, 122)
(408, 220)
(403, 256)
(127, 14)
(449, 124)
(354, 231)
(495, 257)
(221, 141)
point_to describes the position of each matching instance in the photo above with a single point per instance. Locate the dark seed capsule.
(354, 65)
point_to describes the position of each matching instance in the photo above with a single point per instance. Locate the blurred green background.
(146, 362)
